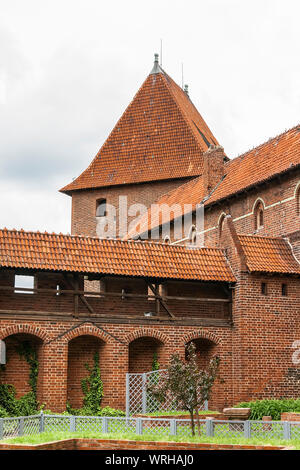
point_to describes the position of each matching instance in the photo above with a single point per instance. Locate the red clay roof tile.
(271, 255)
(56, 252)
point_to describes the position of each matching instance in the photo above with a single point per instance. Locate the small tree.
(189, 386)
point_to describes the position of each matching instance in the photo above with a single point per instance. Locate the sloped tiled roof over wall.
(161, 135)
(271, 255)
(57, 252)
(276, 156)
(181, 200)
(272, 158)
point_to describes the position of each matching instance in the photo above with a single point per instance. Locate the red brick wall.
(16, 371)
(280, 214)
(81, 351)
(141, 354)
(290, 417)
(115, 348)
(113, 444)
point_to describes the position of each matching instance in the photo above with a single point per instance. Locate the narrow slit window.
(259, 216)
(284, 290)
(264, 288)
(24, 282)
(298, 201)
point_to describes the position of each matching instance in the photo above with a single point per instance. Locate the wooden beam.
(161, 301)
(76, 299)
(112, 294)
(82, 298)
(33, 314)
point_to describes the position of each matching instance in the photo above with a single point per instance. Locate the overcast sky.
(68, 69)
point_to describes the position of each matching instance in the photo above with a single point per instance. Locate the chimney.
(213, 167)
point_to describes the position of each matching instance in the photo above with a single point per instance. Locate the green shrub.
(3, 413)
(8, 399)
(107, 411)
(272, 408)
(24, 406)
(27, 405)
(86, 411)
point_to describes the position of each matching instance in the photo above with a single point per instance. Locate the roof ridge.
(241, 155)
(183, 112)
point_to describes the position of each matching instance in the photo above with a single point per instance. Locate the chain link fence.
(140, 400)
(159, 427)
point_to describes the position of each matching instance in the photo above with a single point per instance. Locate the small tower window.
(264, 290)
(101, 208)
(284, 290)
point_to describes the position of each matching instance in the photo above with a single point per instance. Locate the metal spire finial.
(156, 67)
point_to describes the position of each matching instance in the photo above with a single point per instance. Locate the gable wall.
(84, 202)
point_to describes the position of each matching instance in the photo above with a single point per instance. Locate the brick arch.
(26, 329)
(149, 332)
(202, 334)
(257, 202)
(86, 330)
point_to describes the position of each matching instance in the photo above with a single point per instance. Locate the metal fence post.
(247, 429)
(144, 394)
(139, 426)
(127, 395)
(1, 427)
(209, 422)
(105, 425)
(286, 430)
(21, 426)
(72, 424)
(42, 422)
(173, 427)
(206, 405)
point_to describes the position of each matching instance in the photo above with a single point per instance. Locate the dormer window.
(101, 208)
(259, 216)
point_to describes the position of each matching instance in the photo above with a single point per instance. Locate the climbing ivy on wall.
(155, 363)
(27, 404)
(26, 350)
(92, 386)
(152, 403)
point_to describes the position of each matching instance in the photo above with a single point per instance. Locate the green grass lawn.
(55, 436)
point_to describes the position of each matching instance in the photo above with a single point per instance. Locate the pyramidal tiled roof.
(73, 253)
(161, 135)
